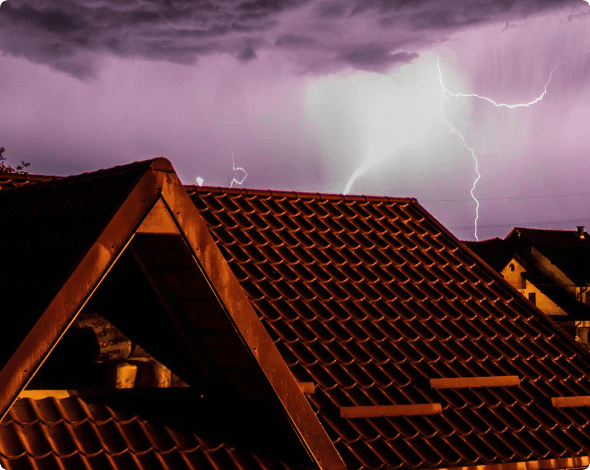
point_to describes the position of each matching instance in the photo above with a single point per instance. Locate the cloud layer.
(314, 36)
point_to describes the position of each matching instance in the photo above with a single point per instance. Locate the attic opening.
(156, 329)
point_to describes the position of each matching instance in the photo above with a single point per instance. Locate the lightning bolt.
(358, 172)
(445, 98)
(454, 130)
(237, 169)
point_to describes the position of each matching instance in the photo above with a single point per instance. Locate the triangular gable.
(155, 204)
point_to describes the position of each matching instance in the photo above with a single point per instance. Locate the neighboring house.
(198, 328)
(551, 268)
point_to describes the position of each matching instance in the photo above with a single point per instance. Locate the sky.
(373, 97)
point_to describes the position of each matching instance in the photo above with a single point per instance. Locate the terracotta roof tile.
(72, 434)
(386, 299)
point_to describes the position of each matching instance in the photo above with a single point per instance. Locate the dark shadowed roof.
(576, 310)
(47, 228)
(564, 248)
(73, 433)
(495, 251)
(370, 298)
(12, 180)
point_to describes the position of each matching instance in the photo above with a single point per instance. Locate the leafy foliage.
(5, 168)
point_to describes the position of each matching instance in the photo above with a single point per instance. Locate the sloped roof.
(67, 235)
(576, 310)
(549, 236)
(564, 248)
(498, 253)
(11, 180)
(70, 433)
(370, 298)
(495, 251)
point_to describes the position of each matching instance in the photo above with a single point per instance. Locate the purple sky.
(314, 95)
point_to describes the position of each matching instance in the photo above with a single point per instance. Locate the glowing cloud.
(200, 181)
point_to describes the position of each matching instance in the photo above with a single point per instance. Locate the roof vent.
(581, 232)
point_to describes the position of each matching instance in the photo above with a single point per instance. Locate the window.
(533, 297)
(511, 266)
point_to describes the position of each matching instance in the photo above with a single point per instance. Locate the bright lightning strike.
(445, 91)
(234, 180)
(455, 131)
(516, 105)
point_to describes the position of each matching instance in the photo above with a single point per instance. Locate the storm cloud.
(317, 36)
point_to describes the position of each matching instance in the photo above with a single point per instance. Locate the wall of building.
(513, 273)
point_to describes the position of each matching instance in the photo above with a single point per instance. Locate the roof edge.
(547, 464)
(191, 188)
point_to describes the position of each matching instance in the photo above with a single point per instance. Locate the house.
(153, 325)
(549, 267)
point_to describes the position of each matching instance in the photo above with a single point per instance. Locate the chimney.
(581, 232)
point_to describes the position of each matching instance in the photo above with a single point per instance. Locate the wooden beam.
(570, 402)
(40, 394)
(352, 412)
(475, 382)
(307, 387)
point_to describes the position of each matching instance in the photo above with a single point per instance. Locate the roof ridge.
(137, 166)
(192, 189)
(544, 229)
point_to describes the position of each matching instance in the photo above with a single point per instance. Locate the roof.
(548, 236)
(129, 242)
(575, 310)
(11, 180)
(73, 433)
(564, 248)
(495, 251)
(370, 298)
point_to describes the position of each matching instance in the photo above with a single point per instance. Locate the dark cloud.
(458, 6)
(51, 20)
(72, 35)
(266, 7)
(442, 18)
(247, 54)
(334, 9)
(374, 57)
(294, 41)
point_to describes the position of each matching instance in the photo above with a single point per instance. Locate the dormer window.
(533, 297)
